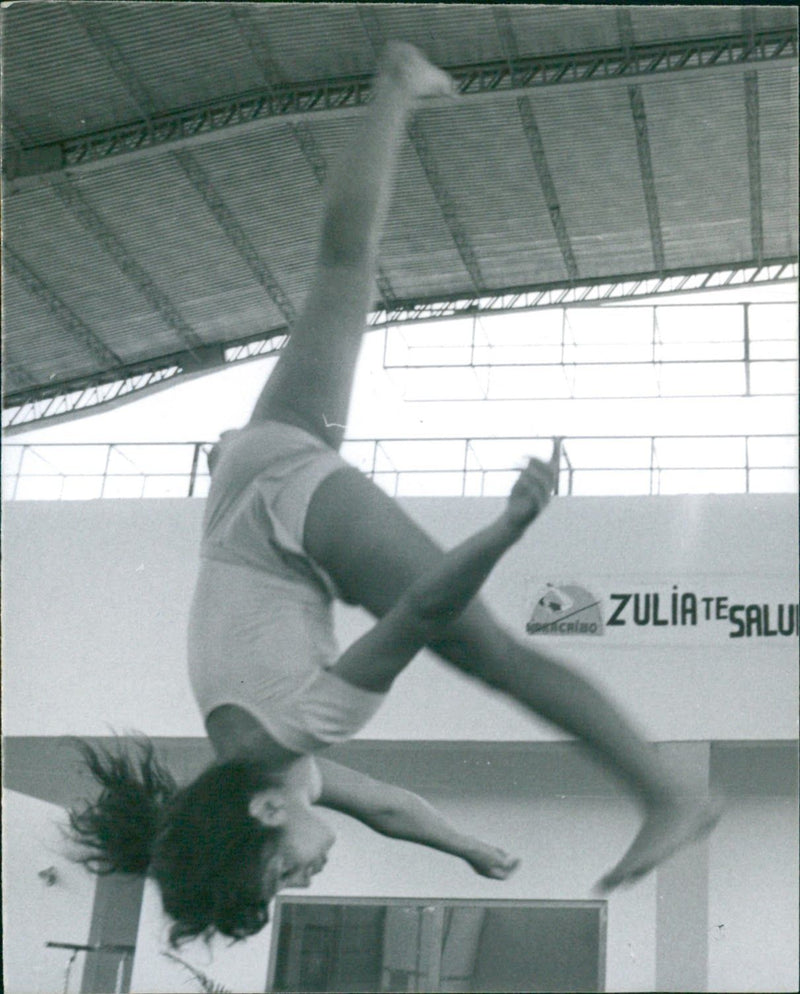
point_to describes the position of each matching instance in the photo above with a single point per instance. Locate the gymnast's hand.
(533, 490)
(491, 862)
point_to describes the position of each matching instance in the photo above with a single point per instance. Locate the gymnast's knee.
(344, 243)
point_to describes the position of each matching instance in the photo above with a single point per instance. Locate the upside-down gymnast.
(289, 525)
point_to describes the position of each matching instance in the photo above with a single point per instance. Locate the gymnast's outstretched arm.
(402, 814)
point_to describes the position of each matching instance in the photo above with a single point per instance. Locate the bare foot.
(490, 862)
(666, 829)
(417, 76)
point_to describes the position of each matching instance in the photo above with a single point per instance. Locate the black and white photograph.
(400, 497)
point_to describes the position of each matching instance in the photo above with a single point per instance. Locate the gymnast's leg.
(311, 383)
(374, 551)
(363, 539)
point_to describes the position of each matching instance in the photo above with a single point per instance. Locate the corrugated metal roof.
(143, 259)
(778, 105)
(699, 145)
(181, 56)
(54, 80)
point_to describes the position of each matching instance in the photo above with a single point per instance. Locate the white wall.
(96, 596)
(565, 844)
(753, 897)
(97, 593)
(33, 912)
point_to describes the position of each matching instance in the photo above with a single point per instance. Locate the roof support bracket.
(754, 163)
(446, 205)
(82, 211)
(503, 75)
(234, 232)
(65, 316)
(646, 170)
(68, 399)
(531, 130)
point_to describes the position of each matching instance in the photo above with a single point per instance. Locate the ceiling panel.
(210, 239)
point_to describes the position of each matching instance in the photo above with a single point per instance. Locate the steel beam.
(201, 360)
(749, 24)
(385, 288)
(314, 156)
(591, 292)
(251, 30)
(82, 211)
(505, 34)
(310, 150)
(646, 171)
(87, 394)
(105, 45)
(252, 33)
(508, 42)
(64, 406)
(17, 373)
(72, 397)
(446, 205)
(534, 139)
(289, 100)
(256, 348)
(630, 60)
(78, 330)
(13, 129)
(754, 163)
(625, 29)
(372, 27)
(346, 92)
(234, 232)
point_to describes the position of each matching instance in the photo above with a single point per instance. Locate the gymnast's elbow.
(432, 612)
(395, 813)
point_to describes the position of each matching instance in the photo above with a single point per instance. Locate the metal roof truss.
(25, 408)
(512, 73)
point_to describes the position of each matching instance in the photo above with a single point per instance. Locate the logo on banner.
(566, 609)
(570, 609)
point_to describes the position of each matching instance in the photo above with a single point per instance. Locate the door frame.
(282, 900)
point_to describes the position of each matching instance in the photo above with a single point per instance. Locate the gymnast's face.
(305, 838)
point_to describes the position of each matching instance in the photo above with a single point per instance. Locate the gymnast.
(288, 527)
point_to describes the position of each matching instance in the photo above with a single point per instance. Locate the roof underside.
(164, 163)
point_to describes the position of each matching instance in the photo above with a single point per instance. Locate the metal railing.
(125, 953)
(458, 467)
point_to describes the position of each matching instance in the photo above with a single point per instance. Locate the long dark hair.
(209, 856)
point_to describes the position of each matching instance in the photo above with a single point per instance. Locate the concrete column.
(682, 892)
